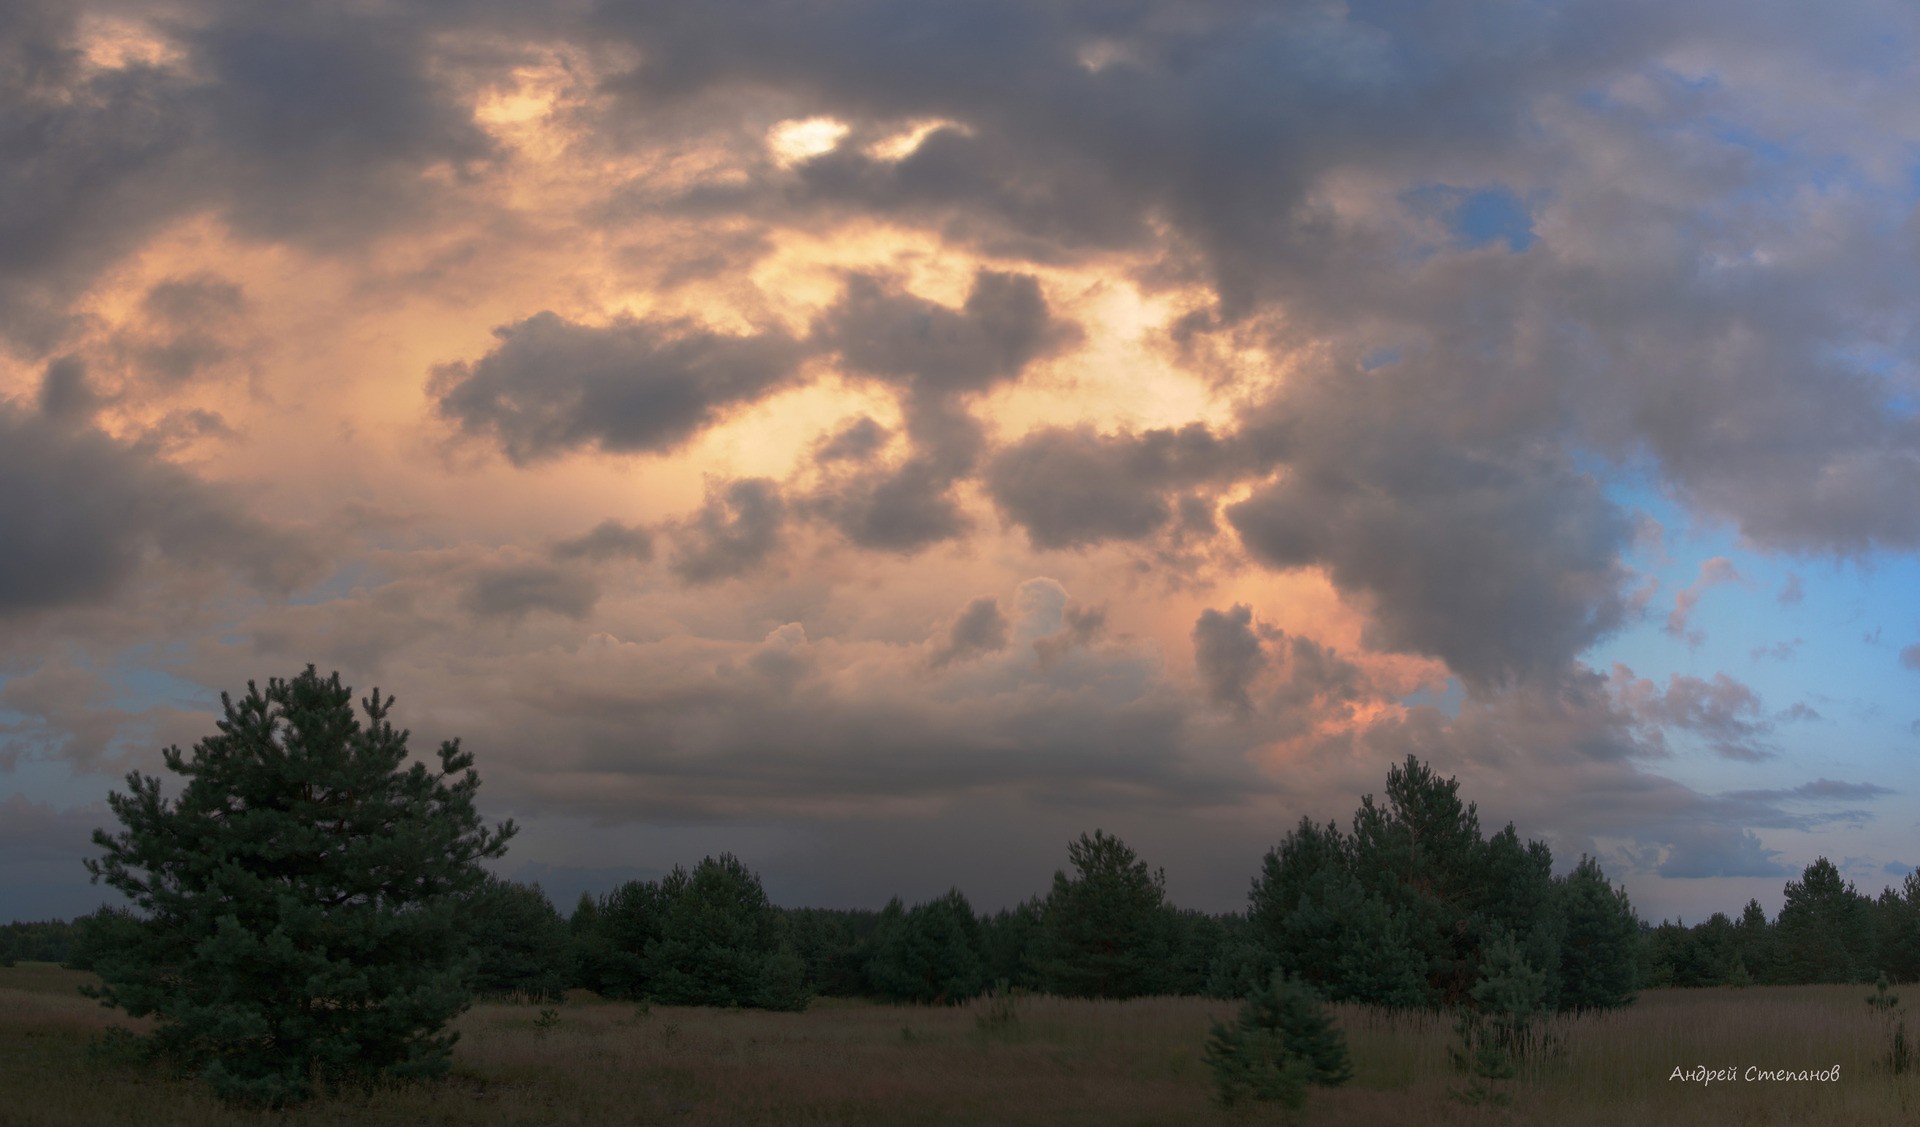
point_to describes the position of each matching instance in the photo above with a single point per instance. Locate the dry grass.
(845, 1063)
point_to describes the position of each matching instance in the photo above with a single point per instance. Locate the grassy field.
(1062, 1063)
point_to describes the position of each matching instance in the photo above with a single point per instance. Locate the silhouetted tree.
(1012, 938)
(1597, 948)
(835, 945)
(928, 954)
(1897, 930)
(1107, 930)
(520, 939)
(1754, 942)
(1399, 912)
(1825, 928)
(720, 942)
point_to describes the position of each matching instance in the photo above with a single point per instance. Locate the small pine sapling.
(1899, 1052)
(1282, 1041)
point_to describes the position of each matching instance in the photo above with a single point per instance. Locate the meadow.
(1058, 1062)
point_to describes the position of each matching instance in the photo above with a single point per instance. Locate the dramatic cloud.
(734, 532)
(1726, 714)
(1503, 568)
(82, 513)
(64, 392)
(1072, 488)
(979, 629)
(552, 386)
(1365, 372)
(935, 351)
(1228, 654)
(608, 540)
(511, 591)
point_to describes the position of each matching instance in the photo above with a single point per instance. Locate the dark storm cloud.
(41, 848)
(551, 386)
(979, 629)
(1706, 339)
(325, 116)
(88, 163)
(608, 540)
(192, 301)
(190, 321)
(911, 505)
(1217, 121)
(1069, 488)
(857, 441)
(1227, 654)
(936, 356)
(1315, 672)
(64, 392)
(512, 591)
(681, 730)
(1502, 566)
(934, 351)
(81, 514)
(735, 531)
(902, 509)
(293, 123)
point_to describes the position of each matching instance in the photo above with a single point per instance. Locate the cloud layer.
(783, 411)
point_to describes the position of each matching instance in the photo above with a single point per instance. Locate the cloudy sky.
(886, 438)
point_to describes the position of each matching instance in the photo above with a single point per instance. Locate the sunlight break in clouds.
(804, 139)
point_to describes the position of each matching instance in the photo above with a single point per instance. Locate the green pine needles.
(1283, 1040)
(1503, 1024)
(301, 903)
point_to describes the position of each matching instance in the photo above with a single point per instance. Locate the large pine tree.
(300, 903)
(1107, 931)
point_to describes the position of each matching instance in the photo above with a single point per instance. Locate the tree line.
(312, 909)
(1398, 911)
(1827, 931)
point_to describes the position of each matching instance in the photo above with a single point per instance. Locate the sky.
(885, 439)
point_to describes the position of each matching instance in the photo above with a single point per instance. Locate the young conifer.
(1283, 1040)
(300, 903)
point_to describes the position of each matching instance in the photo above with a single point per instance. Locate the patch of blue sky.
(137, 687)
(1474, 217)
(1834, 650)
(1766, 150)
(1379, 358)
(1448, 701)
